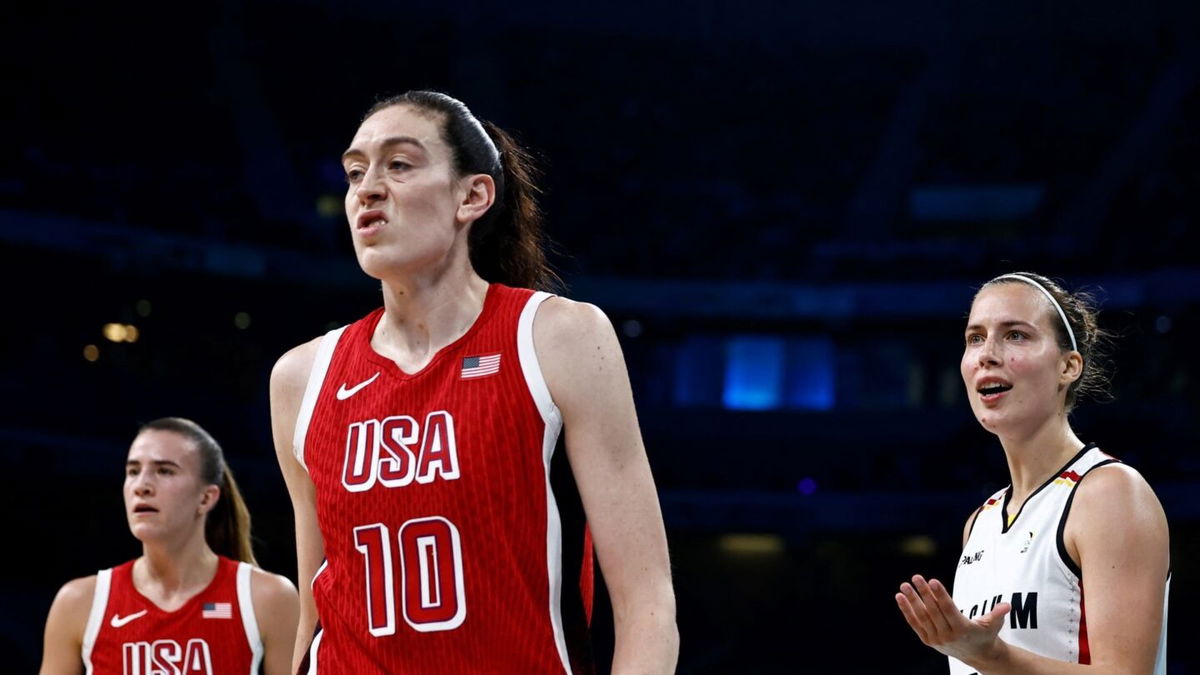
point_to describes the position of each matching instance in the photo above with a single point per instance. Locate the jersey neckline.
(222, 567)
(1005, 523)
(393, 369)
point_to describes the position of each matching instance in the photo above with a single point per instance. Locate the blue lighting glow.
(754, 370)
(806, 486)
(811, 375)
(698, 372)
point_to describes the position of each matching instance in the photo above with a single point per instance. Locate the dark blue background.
(784, 207)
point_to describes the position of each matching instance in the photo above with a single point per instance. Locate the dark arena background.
(783, 207)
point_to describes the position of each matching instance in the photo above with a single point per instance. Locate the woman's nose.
(142, 485)
(370, 188)
(989, 353)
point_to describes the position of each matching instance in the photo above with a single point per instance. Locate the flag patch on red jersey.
(480, 366)
(217, 610)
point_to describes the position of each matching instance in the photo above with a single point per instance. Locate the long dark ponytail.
(507, 244)
(227, 527)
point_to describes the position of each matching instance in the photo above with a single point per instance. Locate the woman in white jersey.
(1067, 569)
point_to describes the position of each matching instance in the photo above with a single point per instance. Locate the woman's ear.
(1072, 368)
(208, 499)
(478, 196)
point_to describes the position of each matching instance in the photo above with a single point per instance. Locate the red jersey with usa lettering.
(214, 632)
(454, 537)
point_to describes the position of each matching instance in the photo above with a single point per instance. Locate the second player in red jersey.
(439, 513)
(214, 631)
(194, 602)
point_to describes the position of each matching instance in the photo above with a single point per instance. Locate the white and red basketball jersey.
(454, 538)
(1025, 563)
(215, 632)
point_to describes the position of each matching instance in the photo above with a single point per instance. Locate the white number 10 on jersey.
(431, 575)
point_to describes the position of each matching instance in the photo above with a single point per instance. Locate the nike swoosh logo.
(118, 621)
(343, 393)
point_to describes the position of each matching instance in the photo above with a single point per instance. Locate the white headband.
(1061, 314)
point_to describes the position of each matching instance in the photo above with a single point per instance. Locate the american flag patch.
(217, 610)
(480, 366)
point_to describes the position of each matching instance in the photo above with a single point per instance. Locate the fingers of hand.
(923, 621)
(941, 595)
(939, 591)
(941, 617)
(910, 614)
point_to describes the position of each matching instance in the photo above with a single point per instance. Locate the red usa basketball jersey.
(215, 632)
(454, 538)
(1025, 563)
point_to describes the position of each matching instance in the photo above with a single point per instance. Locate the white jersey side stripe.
(1160, 665)
(529, 360)
(316, 378)
(312, 652)
(553, 426)
(312, 649)
(96, 616)
(249, 621)
(320, 568)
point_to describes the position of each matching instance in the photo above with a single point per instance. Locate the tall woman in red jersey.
(437, 515)
(1066, 570)
(194, 602)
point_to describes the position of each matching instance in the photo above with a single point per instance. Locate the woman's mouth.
(992, 391)
(370, 222)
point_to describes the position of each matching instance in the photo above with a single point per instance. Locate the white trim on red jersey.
(312, 648)
(1160, 664)
(312, 652)
(529, 360)
(553, 420)
(316, 378)
(320, 568)
(96, 616)
(249, 622)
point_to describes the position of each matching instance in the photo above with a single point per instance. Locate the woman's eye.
(399, 165)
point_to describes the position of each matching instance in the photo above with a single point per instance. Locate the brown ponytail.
(506, 244)
(227, 527)
(510, 245)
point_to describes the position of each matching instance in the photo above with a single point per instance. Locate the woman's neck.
(169, 573)
(1033, 456)
(422, 316)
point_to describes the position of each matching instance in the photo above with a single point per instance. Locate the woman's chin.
(993, 421)
(373, 263)
(144, 532)
(383, 264)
